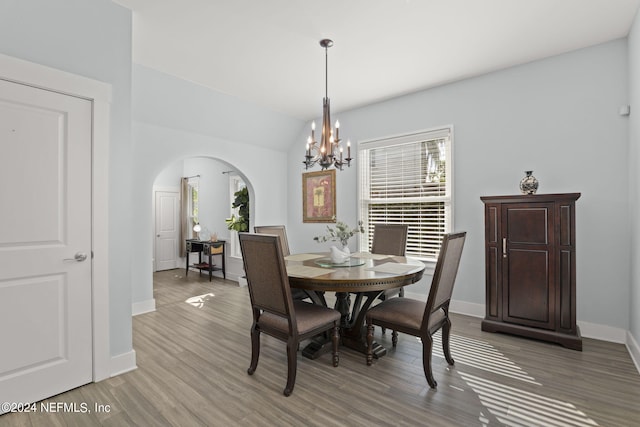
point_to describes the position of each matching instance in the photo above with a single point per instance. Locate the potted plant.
(241, 202)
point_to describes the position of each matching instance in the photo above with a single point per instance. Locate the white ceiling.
(268, 52)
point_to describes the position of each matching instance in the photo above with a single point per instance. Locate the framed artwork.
(319, 196)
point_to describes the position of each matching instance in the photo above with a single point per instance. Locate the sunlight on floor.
(511, 406)
(481, 355)
(516, 407)
(199, 300)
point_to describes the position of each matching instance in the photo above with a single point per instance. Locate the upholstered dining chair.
(278, 230)
(390, 239)
(422, 319)
(281, 232)
(275, 313)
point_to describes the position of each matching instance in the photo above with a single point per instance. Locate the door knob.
(80, 256)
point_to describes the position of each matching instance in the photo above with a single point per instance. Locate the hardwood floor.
(193, 353)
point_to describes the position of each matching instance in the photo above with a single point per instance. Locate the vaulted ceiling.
(267, 51)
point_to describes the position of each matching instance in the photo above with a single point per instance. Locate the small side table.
(209, 249)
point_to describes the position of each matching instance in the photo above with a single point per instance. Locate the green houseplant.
(241, 202)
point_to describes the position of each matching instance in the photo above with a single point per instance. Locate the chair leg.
(427, 346)
(255, 350)
(394, 338)
(292, 365)
(335, 337)
(446, 349)
(369, 343)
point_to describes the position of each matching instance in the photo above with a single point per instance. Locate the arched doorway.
(212, 184)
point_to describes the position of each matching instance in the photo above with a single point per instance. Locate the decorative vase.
(529, 184)
(338, 256)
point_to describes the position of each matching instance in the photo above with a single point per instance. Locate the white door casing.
(26, 289)
(167, 223)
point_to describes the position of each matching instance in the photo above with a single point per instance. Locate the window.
(193, 205)
(235, 184)
(407, 180)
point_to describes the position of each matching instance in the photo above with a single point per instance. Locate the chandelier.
(329, 151)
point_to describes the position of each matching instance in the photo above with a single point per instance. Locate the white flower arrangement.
(340, 233)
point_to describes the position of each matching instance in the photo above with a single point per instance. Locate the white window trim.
(432, 133)
(192, 183)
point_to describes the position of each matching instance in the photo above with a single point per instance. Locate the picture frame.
(319, 196)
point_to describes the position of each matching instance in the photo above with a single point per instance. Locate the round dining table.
(364, 275)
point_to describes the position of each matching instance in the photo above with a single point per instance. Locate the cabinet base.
(571, 341)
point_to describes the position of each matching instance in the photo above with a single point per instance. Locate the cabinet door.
(528, 284)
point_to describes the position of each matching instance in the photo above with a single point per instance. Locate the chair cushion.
(407, 313)
(308, 317)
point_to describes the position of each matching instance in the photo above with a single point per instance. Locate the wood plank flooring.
(193, 353)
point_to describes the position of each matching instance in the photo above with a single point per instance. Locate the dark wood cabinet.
(531, 267)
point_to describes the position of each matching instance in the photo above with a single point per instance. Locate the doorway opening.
(210, 193)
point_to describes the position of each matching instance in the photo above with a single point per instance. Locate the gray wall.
(178, 120)
(91, 38)
(634, 176)
(558, 117)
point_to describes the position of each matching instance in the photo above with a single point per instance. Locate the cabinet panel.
(493, 293)
(565, 225)
(527, 290)
(567, 305)
(492, 224)
(527, 225)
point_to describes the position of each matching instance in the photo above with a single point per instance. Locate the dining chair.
(278, 230)
(423, 319)
(275, 313)
(281, 232)
(390, 239)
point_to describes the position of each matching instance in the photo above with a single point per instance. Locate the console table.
(209, 249)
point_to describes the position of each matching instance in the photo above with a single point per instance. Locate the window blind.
(407, 180)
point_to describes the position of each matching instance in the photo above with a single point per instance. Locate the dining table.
(364, 275)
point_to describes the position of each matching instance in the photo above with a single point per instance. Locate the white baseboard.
(602, 332)
(143, 307)
(467, 308)
(123, 363)
(236, 277)
(587, 329)
(634, 350)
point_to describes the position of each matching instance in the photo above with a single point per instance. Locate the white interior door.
(167, 208)
(45, 243)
